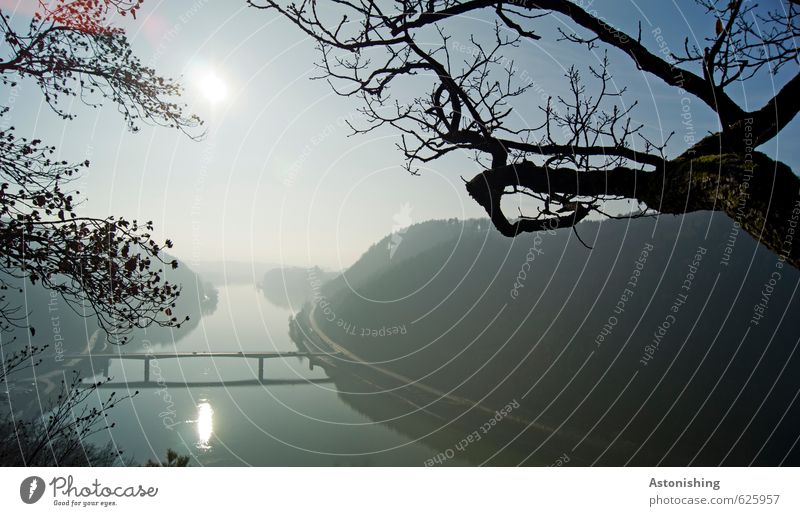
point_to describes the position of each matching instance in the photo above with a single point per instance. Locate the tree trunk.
(760, 194)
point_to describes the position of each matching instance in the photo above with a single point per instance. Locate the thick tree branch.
(761, 195)
(777, 113)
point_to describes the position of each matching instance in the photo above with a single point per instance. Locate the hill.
(667, 342)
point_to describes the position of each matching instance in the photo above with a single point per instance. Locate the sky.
(276, 178)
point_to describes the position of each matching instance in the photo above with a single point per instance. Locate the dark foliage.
(586, 148)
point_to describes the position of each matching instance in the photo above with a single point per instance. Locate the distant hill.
(669, 332)
(64, 330)
(231, 272)
(290, 287)
(398, 247)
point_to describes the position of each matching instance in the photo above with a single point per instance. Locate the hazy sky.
(277, 179)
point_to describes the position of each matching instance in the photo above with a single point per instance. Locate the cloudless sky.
(277, 179)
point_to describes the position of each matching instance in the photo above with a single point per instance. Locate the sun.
(213, 87)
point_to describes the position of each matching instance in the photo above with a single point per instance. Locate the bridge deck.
(199, 354)
(219, 383)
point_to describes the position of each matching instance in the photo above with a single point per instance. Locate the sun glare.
(213, 87)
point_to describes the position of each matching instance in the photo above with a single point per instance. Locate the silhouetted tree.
(60, 436)
(103, 267)
(586, 149)
(173, 461)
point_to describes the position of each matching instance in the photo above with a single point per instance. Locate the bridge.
(147, 357)
(219, 383)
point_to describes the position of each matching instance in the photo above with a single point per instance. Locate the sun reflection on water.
(205, 424)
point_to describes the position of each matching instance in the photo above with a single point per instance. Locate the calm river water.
(303, 423)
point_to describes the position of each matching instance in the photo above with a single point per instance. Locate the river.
(302, 424)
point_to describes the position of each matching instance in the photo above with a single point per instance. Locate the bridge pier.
(147, 370)
(260, 368)
(106, 367)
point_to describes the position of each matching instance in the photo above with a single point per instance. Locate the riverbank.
(473, 432)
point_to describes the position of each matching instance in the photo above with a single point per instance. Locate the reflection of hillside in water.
(439, 424)
(444, 426)
(64, 332)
